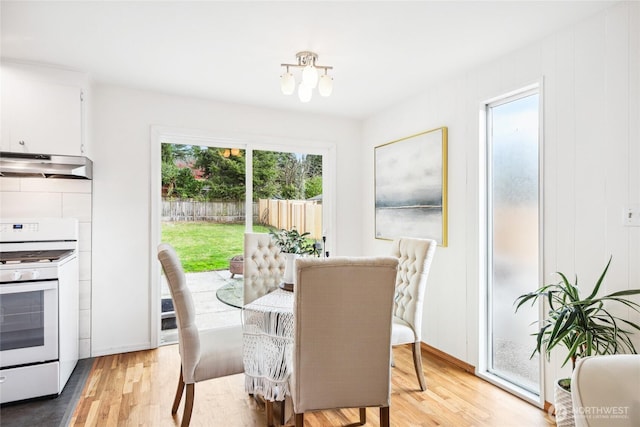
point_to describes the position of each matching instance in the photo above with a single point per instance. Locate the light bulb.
(287, 83)
(310, 76)
(325, 86)
(304, 92)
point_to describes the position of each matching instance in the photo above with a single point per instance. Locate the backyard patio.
(210, 311)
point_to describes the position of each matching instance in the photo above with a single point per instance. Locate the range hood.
(45, 166)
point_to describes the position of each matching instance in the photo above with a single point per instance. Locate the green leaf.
(599, 282)
(584, 326)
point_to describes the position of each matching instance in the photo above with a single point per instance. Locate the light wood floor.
(137, 389)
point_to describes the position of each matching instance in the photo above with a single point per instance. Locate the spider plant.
(585, 326)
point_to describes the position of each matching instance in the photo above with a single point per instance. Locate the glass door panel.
(513, 215)
(287, 192)
(203, 218)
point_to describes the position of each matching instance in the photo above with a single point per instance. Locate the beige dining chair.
(414, 256)
(263, 265)
(605, 390)
(204, 354)
(342, 339)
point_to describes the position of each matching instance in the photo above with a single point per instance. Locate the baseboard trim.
(447, 357)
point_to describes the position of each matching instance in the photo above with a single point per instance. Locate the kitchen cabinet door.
(42, 117)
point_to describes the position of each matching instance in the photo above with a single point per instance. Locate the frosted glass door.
(513, 216)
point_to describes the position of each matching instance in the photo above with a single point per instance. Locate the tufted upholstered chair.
(342, 335)
(204, 355)
(414, 256)
(605, 391)
(263, 265)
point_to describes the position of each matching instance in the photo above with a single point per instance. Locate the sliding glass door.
(211, 194)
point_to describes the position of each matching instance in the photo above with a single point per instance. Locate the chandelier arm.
(323, 67)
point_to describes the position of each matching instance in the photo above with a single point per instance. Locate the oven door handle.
(28, 287)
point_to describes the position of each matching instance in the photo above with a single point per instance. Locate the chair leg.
(417, 362)
(299, 420)
(384, 416)
(269, 411)
(176, 400)
(363, 416)
(188, 405)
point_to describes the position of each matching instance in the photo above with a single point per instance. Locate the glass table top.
(232, 292)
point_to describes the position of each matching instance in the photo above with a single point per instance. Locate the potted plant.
(292, 244)
(583, 325)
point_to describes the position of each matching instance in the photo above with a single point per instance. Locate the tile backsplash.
(57, 198)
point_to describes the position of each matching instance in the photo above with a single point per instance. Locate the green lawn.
(205, 246)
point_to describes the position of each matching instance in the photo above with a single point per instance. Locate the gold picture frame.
(411, 187)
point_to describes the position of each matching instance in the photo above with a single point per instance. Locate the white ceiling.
(381, 51)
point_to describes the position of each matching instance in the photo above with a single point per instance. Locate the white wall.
(122, 120)
(591, 158)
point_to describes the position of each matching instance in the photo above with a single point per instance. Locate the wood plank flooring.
(137, 389)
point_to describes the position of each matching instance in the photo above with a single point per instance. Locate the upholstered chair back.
(188, 337)
(414, 256)
(605, 390)
(263, 265)
(342, 338)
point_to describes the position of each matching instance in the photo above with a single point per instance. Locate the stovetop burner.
(33, 256)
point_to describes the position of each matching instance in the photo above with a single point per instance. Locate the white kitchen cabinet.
(41, 117)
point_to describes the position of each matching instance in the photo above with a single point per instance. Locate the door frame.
(484, 236)
(248, 142)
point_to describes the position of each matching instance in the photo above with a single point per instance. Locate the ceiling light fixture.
(310, 79)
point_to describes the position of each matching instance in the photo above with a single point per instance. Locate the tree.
(169, 177)
(313, 187)
(187, 187)
(264, 175)
(275, 174)
(179, 181)
(171, 152)
(314, 165)
(292, 173)
(224, 175)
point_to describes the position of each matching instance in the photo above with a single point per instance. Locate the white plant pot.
(564, 407)
(290, 268)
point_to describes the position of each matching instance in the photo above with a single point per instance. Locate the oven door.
(28, 323)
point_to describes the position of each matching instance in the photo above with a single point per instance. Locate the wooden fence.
(189, 210)
(304, 215)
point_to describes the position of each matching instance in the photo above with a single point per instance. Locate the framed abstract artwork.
(411, 187)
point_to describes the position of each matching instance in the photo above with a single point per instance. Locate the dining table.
(267, 334)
